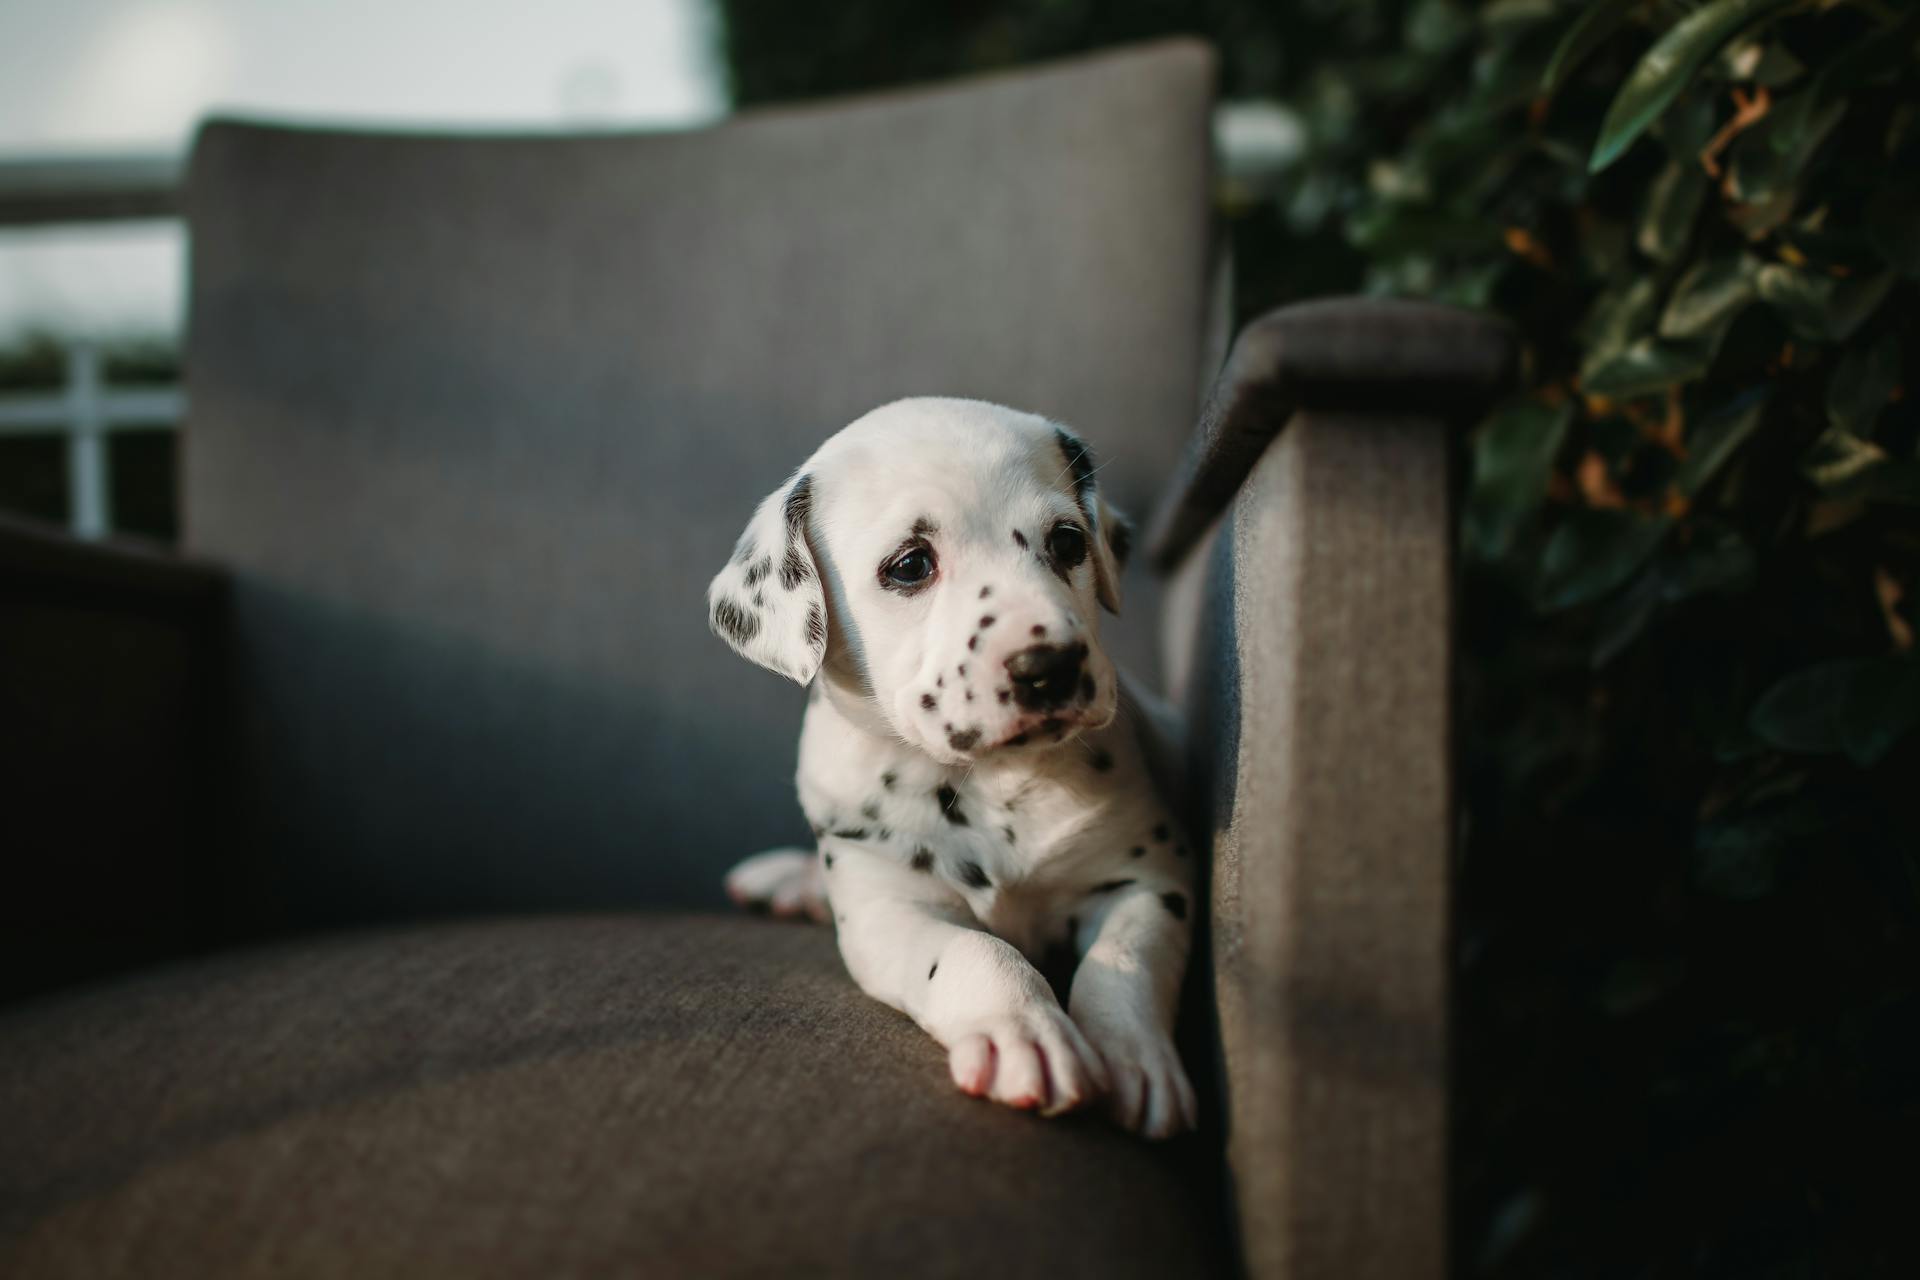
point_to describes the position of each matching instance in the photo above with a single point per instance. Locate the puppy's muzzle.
(1045, 675)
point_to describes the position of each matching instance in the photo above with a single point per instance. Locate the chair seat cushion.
(640, 1095)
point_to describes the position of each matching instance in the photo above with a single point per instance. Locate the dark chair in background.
(471, 423)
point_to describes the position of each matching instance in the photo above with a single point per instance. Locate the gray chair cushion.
(571, 1096)
(475, 419)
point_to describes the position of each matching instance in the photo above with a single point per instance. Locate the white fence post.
(89, 497)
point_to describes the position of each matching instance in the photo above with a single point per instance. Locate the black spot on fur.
(1108, 886)
(733, 620)
(1003, 694)
(986, 620)
(883, 833)
(816, 627)
(922, 859)
(969, 695)
(939, 682)
(962, 670)
(973, 641)
(760, 569)
(888, 778)
(932, 971)
(924, 528)
(1139, 851)
(828, 859)
(1019, 538)
(950, 805)
(1079, 462)
(1175, 903)
(871, 812)
(759, 599)
(799, 503)
(1162, 833)
(1007, 834)
(926, 702)
(851, 833)
(963, 741)
(1039, 630)
(985, 592)
(974, 876)
(1102, 760)
(794, 569)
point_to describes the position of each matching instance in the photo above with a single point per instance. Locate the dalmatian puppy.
(970, 765)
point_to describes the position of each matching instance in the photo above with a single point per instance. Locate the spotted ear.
(1112, 543)
(768, 603)
(1112, 534)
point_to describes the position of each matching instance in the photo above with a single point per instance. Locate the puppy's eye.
(910, 568)
(1067, 545)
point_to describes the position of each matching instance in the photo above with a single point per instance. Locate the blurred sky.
(87, 77)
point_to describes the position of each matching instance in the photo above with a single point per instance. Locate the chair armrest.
(1309, 628)
(1360, 354)
(108, 666)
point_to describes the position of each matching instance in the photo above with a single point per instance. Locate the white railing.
(86, 411)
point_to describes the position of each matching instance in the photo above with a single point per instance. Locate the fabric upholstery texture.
(570, 1096)
(1317, 684)
(473, 421)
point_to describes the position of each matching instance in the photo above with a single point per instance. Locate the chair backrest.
(474, 419)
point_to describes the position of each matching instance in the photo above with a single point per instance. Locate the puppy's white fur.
(970, 825)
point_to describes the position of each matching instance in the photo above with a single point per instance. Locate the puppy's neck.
(848, 695)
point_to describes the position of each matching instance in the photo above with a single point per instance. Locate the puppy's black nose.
(1044, 675)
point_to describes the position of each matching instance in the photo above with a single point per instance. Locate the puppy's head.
(943, 563)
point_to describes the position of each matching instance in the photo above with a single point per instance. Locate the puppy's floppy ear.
(1112, 533)
(768, 602)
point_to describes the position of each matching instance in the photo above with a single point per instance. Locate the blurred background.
(1688, 1027)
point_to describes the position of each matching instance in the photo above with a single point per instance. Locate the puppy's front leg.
(909, 942)
(1126, 993)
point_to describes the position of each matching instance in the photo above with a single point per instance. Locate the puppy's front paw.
(1149, 1092)
(786, 882)
(1035, 1059)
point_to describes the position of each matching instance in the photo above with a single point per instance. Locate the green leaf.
(1616, 318)
(1838, 457)
(1647, 367)
(1895, 481)
(1623, 621)
(1861, 385)
(1591, 553)
(1513, 456)
(1717, 438)
(1708, 296)
(1673, 201)
(1667, 67)
(1739, 854)
(1862, 706)
(1818, 306)
(1718, 560)
(1588, 32)
(1774, 155)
